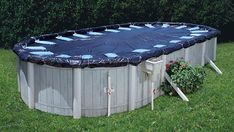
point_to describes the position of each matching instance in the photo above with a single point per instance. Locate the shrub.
(189, 79)
(26, 18)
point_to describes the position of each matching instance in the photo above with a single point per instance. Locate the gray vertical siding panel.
(69, 96)
(56, 81)
(49, 89)
(139, 85)
(210, 49)
(177, 55)
(114, 85)
(63, 91)
(96, 92)
(97, 103)
(69, 99)
(53, 86)
(88, 87)
(103, 80)
(144, 92)
(70, 92)
(82, 93)
(126, 84)
(30, 79)
(194, 54)
(42, 102)
(139, 81)
(119, 90)
(24, 81)
(42, 97)
(53, 90)
(37, 85)
(142, 80)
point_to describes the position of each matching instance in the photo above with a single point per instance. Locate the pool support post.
(214, 66)
(18, 73)
(215, 48)
(132, 87)
(164, 58)
(30, 77)
(77, 93)
(203, 53)
(109, 91)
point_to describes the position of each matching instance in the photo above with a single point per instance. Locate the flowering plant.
(189, 79)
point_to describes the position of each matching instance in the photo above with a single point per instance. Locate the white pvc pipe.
(109, 94)
(180, 93)
(214, 66)
(152, 95)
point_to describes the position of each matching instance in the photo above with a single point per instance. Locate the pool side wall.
(82, 92)
(54, 88)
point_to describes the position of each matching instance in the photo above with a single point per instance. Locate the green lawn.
(210, 109)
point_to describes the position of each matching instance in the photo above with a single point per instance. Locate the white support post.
(214, 66)
(109, 94)
(132, 86)
(203, 53)
(215, 48)
(164, 62)
(152, 95)
(109, 90)
(30, 71)
(18, 72)
(77, 93)
(180, 93)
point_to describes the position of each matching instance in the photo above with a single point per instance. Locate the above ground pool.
(109, 69)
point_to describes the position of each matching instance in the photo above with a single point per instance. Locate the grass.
(210, 109)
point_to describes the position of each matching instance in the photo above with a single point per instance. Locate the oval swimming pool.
(109, 69)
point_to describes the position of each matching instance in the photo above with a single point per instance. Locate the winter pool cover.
(112, 45)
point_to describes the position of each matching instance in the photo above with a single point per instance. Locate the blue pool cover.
(112, 45)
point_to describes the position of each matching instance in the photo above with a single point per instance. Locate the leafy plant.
(31, 18)
(189, 79)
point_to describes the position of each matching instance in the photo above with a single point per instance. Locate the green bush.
(20, 19)
(189, 79)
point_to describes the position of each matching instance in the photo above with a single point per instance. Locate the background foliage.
(26, 18)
